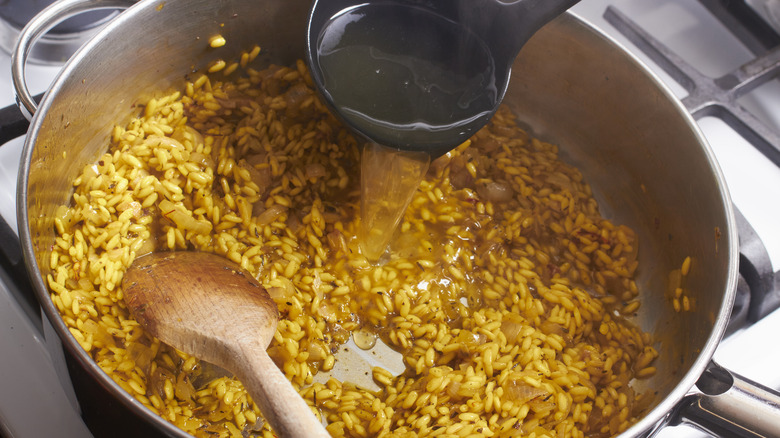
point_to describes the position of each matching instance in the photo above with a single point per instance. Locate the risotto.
(505, 291)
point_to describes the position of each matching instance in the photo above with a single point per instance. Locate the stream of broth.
(410, 79)
(388, 181)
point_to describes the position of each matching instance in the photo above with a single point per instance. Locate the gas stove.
(712, 49)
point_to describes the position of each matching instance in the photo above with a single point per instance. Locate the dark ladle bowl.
(419, 76)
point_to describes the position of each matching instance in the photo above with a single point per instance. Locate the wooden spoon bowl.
(209, 307)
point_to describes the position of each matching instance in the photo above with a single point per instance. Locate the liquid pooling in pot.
(505, 282)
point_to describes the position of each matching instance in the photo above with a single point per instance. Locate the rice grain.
(510, 311)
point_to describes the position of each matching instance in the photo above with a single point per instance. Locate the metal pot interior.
(651, 169)
(645, 159)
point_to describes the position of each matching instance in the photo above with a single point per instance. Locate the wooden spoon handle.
(280, 403)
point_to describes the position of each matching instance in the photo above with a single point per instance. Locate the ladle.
(208, 307)
(419, 76)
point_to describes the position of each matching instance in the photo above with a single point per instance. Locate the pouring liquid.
(388, 181)
(410, 79)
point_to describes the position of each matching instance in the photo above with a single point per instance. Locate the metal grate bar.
(682, 72)
(707, 96)
(745, 23)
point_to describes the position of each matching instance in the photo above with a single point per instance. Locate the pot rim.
(663, 412)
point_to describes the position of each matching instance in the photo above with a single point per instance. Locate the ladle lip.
(315, 23)
(440, 141)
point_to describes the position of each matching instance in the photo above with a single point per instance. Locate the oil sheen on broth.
(409, 79)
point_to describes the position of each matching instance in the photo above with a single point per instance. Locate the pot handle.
(730, 405)
(37, 27)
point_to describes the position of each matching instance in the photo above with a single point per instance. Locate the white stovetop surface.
(754, 183)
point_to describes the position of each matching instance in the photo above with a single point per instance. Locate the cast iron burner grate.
(758, 292)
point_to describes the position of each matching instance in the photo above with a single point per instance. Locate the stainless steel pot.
(648, 163)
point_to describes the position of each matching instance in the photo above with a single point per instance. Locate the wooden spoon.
(208, 307)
